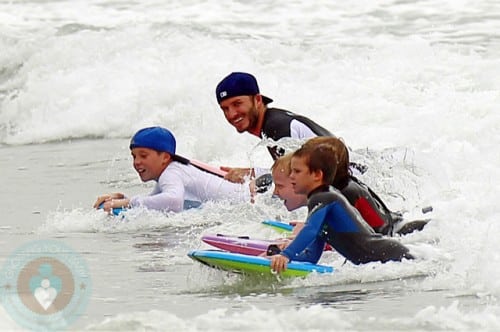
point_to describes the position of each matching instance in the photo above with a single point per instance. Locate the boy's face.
(149, 163)
(302, 179)
(283, 188)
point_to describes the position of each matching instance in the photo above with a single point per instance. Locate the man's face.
(241, 112)
(283, 188)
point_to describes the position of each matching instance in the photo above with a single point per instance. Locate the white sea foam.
(313, 318)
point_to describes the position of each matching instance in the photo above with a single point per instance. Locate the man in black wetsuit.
(331, 219)
(246, 109)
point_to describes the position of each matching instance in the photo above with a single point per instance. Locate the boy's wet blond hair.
(282, 164)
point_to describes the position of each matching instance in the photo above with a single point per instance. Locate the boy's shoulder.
(324, 197)
(174, 169)
(354, 189)
(182, 170)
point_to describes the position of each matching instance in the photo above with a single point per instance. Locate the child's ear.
(167, 157)
(318, 175)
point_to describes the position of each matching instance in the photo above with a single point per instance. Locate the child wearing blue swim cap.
(179, 183)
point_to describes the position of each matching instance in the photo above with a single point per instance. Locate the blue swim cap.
(156, 138)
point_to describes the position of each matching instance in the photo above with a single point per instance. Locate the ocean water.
(411, 86)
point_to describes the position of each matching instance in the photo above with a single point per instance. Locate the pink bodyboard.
(239, 244)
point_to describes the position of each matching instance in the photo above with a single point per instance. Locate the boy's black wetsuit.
(375, 212)
(333, 220)
(370, 206)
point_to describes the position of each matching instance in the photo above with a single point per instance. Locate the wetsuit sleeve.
(299, 130)
(168, 194)
(308, 238)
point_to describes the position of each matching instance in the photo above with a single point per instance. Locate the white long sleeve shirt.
(180, 182)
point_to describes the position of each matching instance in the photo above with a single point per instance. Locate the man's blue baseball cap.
(238, 84)
(156, 138)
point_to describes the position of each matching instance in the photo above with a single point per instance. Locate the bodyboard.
(240, 244)
(208, 168)
(240, 263)
(278, 226)
(116, 211)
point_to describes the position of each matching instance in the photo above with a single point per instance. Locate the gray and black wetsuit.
(334, 221)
